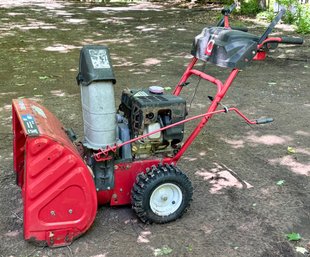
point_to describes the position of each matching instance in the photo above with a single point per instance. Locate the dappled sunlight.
(48, 4)
(76, 21)
(62, 13)
(198, 106)
(146, 28)
(143, 237)
(7, 158)
(13, 233)
(139, 71)
(303, 151)
(221, 177)
(6, 34)
(290, 162)
(203, 153)
(33, 24)
(302, 133)
(58, 93)
(234, 143)
(100, 255)
(6, 107)
(6, 121)
(36, 99)
(187, 56)
(151, 62)
(61, 48)
(15, 13)
(143, 6)
(115, 20)
(190, 159)
(107, 41)
(267, 139)
(122, 62)
(207, 229)
(7, 93)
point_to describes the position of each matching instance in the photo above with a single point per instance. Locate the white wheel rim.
(166, 199)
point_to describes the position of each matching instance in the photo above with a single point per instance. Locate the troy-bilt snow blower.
(129, 155)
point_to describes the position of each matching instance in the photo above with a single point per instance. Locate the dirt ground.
(150, 45)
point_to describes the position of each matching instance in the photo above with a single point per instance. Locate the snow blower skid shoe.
(58, 190)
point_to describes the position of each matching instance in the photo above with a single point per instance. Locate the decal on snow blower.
(99, 59)
(38, 110)
(30, 124)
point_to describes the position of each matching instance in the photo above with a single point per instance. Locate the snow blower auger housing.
(128, 155)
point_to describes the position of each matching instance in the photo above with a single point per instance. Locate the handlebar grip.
(264, 120)
(244, 29)
(228, 10)
(292, 40)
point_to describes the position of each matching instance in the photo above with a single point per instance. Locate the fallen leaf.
(291, 150)
(165, 250)
(280, 183)
(293, 236)
(301, 250)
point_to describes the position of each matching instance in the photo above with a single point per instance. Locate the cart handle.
(282, 40)
(292, 40)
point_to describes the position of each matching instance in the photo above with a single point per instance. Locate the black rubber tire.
(147, 182)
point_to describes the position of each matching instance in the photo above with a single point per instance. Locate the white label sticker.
(141, 93)
(21, 105)
(38, 110)
(99, 59)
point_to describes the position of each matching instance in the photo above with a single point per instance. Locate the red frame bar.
(269, 39)
(222, 90)
(226, 21)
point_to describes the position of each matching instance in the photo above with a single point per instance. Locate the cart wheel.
(161, 195)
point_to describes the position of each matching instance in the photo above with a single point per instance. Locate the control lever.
(264, 120)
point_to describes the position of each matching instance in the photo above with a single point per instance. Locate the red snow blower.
(128, 155)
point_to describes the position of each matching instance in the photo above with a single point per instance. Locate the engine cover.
(145, 109)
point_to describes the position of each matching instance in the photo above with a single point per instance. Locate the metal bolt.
(70, 211)
(121, 189)
(53, 213)
(253, 52)
(164, 198)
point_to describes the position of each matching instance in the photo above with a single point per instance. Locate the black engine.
(147, 111)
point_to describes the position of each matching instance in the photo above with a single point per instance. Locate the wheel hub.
(166, 199)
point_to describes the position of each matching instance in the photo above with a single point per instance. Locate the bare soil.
(237, 209)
